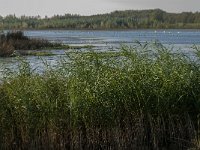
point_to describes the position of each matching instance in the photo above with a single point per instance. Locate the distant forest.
(129, 19)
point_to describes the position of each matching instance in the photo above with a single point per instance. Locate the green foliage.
(129, 19)
(143, 97)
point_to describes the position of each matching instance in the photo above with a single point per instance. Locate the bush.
(18, 41)
(6, 49)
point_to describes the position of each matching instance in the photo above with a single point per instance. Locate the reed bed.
(142, 97)
(16, 40)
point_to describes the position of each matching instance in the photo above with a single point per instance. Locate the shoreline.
(64, 29)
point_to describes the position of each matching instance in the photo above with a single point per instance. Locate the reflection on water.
(36, 63)
(103, 41)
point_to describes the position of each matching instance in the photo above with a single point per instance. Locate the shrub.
(6, 49)
(16, 40)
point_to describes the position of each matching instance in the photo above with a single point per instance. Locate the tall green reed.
(142, 97)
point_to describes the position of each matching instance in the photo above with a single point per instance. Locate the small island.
(14, 43)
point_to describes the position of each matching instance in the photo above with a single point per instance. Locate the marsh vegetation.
(16, 43)
(142, 97)
(16, 40)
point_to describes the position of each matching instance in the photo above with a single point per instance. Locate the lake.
(103, 41)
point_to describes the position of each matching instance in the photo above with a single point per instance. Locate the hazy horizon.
(91, 7)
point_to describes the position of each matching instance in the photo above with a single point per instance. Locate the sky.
(90, 7)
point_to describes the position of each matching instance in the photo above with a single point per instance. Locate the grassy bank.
(143, 97)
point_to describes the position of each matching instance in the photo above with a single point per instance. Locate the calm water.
(101, 38)
(105, 40)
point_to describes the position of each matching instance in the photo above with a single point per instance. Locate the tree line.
(129, 19)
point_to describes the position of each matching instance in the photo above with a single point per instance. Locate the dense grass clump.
(143, 97)
(16, 40)
(6, 48)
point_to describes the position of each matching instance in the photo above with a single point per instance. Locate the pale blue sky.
(88, 7)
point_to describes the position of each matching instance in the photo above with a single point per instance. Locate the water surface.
(104, 41)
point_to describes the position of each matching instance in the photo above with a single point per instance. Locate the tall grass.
(143, 97)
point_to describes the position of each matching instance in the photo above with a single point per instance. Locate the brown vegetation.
(16, 40)
(6, 49)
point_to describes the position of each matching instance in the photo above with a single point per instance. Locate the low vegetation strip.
(16, 40)
(143, 97)
(16, 43)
